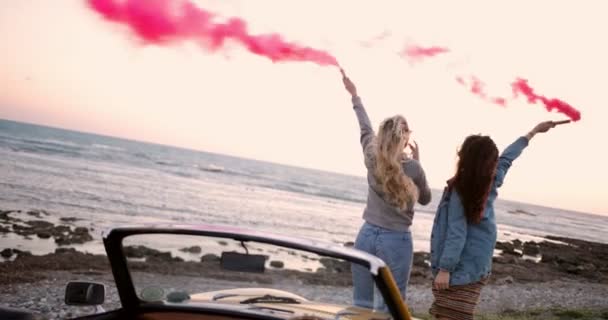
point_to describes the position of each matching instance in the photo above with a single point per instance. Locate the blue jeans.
(396, 249)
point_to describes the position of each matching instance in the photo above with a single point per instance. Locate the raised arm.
(507, 157)
(515, 149)
(367, 132)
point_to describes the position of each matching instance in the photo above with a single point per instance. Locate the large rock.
(4, 229)
(151, 255)
(210, 257)
(576, 257)
(193, 249)
(6, 253)
(422, 259)
(506, 259)
(334, 265)
(62, 234)
(531, 248)
(506, 247)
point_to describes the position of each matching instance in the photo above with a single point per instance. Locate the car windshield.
(251, 276)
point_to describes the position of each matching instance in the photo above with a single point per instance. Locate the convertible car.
(223, 273)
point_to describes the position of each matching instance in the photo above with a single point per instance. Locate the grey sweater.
(378, 211)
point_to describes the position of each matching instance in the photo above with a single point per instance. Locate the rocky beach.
(554, 272)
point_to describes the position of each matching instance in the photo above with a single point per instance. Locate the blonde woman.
(396, 182)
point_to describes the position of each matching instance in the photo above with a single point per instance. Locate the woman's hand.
(442, 280)
(541, 128)
(348, 85)
(415, 150)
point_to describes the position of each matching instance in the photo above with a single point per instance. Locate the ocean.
(106, 181)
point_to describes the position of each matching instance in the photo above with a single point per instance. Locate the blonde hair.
(387, 149)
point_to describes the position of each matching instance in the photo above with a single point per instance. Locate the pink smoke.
(375, 39)
(521, 86)
(476, 87)
(163, 21)
(416, 53)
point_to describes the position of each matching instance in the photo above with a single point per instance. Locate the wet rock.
(141, 252)
(164, 258)
(420, 273)
(4, 229)
(334, 265)
(421, 259)
(576, 257)
(39, 225)
(74, 238)
(81, 230)
(531, 248)
(68, 219)
(151, 255)
(210, 257)
(506, 247)
(65, 250)
(193, 249)
(517, 244)
(43, 235)
(505, 280)
(37, 213)
(6, 253)
(5, 215)
(21, 230)
(62, 229)
(506, 259)
(21, 253)
(277, 264)
(43, 229)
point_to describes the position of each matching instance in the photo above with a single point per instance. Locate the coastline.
(555, 272)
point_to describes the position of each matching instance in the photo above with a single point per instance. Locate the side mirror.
(78, 293)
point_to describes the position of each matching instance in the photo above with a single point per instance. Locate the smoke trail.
(476, 87)
(522, 86)
(416, 53)
(164, 21)
(375, 39)
(519, 86)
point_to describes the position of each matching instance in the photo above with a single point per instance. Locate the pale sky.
(62, 65)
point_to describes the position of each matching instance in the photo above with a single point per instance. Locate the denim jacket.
(463, 249)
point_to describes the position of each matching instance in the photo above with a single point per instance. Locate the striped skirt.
(457, 302)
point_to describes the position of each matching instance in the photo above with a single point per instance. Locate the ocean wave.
(52, 142)
(106, 147)
(165, 163)
(142, 155)
(329, 194)
(300, 187)
(47, 150)
(213, 168)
